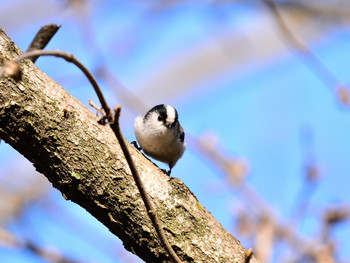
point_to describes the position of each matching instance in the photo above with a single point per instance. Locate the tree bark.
(83, 160)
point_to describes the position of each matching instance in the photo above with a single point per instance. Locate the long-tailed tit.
(160, 134)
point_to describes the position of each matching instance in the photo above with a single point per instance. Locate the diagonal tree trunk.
(83, 160)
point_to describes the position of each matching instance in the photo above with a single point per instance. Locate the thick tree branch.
(84, 161)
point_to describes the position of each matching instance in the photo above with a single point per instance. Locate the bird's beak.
(170, 125)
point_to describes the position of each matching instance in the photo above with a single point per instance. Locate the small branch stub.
(12, 69)
(42, 38)
(248, 255)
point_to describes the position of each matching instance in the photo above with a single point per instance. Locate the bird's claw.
(134, 143)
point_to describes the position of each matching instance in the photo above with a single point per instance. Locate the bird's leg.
(166, 172)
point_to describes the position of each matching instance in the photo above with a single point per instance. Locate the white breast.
(158, 142)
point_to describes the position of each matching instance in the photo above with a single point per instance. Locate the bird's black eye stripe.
(161, 110)
(182, 136)
(176, 116)
(162, 116)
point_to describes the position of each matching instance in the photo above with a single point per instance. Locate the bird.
(160, 134)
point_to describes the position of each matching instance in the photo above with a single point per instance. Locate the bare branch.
(42, 38)
(11, 240)
(315, 64)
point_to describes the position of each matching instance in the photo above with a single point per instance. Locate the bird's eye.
(160, 118)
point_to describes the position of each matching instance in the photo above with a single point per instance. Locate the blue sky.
(258, 111)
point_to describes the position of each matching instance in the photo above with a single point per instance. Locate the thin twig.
(70, 58)
(42, 38)
(329, 78)
(145, 197)
(134, 102)
(12, 240)
(98, 109)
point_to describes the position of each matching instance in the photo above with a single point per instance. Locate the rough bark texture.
(82, 159)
